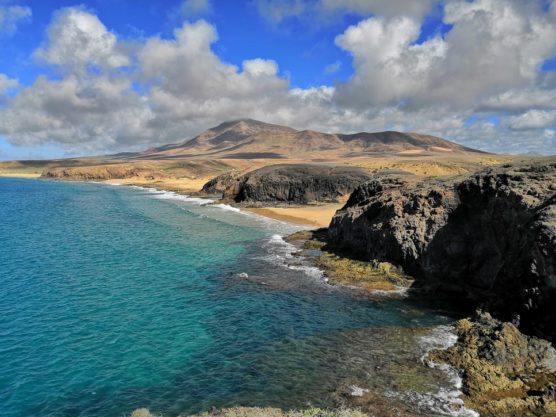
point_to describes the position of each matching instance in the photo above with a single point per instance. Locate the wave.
(281, 253)
(447, 401)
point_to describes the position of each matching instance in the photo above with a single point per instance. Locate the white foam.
(280, 253)
(446, 401)
(170, 195)
(357, 391)
(227, 208)
(399, 292)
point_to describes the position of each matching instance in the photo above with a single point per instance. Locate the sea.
(115, 297)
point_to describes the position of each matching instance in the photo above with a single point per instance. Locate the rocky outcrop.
(299, 184)
(102, 172)
(221, 183)
(490, 237)
(505, 373)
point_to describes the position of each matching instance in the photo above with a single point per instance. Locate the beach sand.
(312, 215)
(180, 185)
(19, 174)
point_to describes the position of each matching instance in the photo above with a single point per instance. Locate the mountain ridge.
(250, 139)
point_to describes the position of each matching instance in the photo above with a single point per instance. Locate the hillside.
(251, 139)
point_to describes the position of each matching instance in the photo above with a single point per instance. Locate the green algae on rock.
(343, 270)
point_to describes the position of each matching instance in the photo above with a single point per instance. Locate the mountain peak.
(252, 139)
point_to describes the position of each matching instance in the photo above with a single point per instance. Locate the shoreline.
(275, 213)
(310, 215)
(313, 215)
(19, 175)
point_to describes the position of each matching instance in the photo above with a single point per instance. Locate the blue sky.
(330, 65)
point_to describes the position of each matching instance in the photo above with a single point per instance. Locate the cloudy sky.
(110, 75)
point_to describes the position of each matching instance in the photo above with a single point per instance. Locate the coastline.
(311, 215)
(19, 175)
(272, 212)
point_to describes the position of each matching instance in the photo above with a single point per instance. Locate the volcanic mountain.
(251, 139)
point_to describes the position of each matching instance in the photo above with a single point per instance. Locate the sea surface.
(114, 298)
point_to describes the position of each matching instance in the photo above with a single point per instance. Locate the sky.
(104, 76)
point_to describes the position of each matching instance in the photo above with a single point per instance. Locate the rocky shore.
(505, 373)
(489, 238)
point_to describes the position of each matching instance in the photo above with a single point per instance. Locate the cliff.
(298, 184)
(489, 238)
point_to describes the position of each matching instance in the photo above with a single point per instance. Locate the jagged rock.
(505, 373)
(290, 184)
(490, 236)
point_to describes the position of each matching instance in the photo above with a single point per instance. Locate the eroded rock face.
(490, 236)
(291, 184)
(219, 184)
(102, 172)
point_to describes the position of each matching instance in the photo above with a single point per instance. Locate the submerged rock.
(490, 237)
(505, 373)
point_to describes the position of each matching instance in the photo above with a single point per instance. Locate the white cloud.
(533, 119)
(77, 39)
(191, 8)
(172, 88)
(493, 47)
(7, 83)
(326, 10)
(276, 11)
(12, 16)
(387, 8)
(260, 67)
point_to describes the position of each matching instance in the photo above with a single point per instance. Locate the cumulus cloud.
(77, 40)
(7, 83)
(111, 97)
(12, 16)
(493, 47)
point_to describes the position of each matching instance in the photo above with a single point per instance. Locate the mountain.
(250, 139)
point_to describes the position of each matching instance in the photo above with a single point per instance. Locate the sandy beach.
(318, 215)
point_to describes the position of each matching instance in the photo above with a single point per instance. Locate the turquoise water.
(113, 298)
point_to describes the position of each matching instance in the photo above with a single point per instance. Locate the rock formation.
(490, 237)
(298, 184)
(505, 373)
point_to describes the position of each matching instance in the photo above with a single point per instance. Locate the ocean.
(114, 298)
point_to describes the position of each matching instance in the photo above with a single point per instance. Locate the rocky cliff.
(489, 237)
(298, 184)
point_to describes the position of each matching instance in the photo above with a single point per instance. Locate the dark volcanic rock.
(219, 184)
(291, 184)
(491, 237)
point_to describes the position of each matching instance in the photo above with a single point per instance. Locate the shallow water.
(113, 298)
